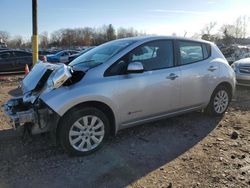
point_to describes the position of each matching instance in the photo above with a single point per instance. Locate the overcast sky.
(162, 17)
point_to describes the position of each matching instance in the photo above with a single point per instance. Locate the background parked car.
(14, 60)
(44, 52)
(242, 71)
(61, 57)
(72, 57)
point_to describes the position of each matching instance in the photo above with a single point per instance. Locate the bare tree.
(44, 40)
(238, 28)
(16, 42)
(227, 37)
(110, 32)
(244, 25)
(87, 36)
(4, 35)
(185, 33)
(127, 32)
(55, 39)
(206, 32)
(208, 28)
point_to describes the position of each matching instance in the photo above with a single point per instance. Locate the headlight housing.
(59, 77)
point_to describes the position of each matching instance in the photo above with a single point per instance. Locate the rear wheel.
(84, 131)
(219, 101)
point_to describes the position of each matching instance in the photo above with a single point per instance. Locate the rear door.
(152, 93)
(22, 58)
(198, 73)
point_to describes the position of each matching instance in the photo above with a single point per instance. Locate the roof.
(154, 37)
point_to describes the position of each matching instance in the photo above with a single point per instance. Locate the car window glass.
(147, 53)
(64, 54)
(153, 56)
(22, 54)
(5, 55)
(190, 52)
(206, 50)
(102, 53)
(73, 52)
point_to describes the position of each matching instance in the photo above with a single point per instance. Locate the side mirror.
(135, 67)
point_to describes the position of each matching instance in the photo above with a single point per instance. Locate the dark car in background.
(14, 60)
(74, 56)
(61, 57)
(44, 52)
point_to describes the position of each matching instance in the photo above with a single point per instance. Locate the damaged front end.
(29, 109)
(40, 116)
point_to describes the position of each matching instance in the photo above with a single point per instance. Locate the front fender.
(62, 99)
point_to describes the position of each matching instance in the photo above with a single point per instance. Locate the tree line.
(70, 38)
(228, 33)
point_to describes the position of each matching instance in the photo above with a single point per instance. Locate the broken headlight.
(59, 77)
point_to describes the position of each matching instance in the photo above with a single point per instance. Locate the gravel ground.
(191, 150)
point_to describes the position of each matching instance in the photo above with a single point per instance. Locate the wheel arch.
(227, 85)
(107, 110)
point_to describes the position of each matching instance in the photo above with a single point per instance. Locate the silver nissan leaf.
(120, 84)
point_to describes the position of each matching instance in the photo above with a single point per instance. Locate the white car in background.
(242, 71)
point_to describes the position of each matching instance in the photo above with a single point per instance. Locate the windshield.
(102, 53)
(58, 53)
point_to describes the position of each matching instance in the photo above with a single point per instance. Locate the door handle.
(172, 76)
(212, 68)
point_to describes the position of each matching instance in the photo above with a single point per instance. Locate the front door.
(152, 93)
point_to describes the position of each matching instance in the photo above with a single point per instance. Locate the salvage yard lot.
(192, 150)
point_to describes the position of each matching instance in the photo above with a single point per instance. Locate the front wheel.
(84, 131)
(219, 101)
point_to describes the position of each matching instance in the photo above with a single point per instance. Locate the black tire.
(70, 118)
(210, 109)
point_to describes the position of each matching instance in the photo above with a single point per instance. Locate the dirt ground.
(192, 150)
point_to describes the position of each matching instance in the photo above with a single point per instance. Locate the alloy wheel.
(221, 101)
(86, 133)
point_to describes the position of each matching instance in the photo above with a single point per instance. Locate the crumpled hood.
(39, 72)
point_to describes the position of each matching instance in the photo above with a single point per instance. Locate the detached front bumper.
(38, 114)
(19, 113)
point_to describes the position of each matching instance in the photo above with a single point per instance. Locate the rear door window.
(191, 52)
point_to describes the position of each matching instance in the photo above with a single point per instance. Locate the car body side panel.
(227, 74)
(140, 96)
(197, 83)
